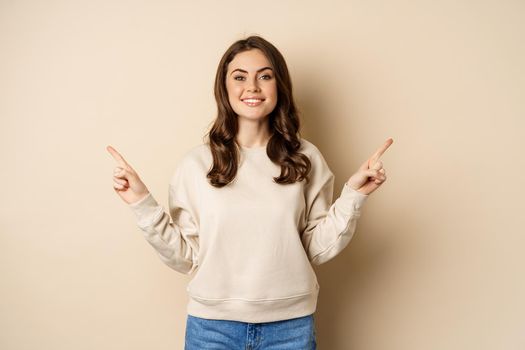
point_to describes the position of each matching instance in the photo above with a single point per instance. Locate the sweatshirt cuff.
(352, 200)
(145, 209)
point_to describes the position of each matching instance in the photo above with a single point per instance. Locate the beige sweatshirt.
(252, 243)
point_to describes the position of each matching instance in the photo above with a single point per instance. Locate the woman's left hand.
(371, 174)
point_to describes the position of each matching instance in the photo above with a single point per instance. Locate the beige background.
(437, 261)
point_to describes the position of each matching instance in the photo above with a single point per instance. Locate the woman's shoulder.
(194, 159)
(309, 149)
(196, 155)
(197, 151)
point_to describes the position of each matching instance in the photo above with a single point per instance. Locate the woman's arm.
(176, 243)
(329, 226)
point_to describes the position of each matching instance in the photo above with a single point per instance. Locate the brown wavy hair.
(284, 124)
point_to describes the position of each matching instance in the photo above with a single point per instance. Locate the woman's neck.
(253, 134)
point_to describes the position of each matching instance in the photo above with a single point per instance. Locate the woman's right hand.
(126, 182)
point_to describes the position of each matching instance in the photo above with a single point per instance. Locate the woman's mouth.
(252, 102)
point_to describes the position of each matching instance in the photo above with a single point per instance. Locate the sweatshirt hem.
(253, 311)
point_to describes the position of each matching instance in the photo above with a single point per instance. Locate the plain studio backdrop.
(437, 259)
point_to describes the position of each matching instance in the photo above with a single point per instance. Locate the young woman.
(252, 211)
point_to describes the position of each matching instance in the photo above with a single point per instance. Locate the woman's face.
(251, 85)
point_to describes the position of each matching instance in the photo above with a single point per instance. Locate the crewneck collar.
(257, 149)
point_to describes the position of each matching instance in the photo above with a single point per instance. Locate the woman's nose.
(253, 86)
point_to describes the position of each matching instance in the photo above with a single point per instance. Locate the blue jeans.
(293, 334)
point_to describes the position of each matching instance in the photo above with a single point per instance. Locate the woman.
(252, 211)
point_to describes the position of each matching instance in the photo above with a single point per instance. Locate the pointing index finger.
(380, 151)
(116, 156)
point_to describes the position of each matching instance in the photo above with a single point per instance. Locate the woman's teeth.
(252, 102)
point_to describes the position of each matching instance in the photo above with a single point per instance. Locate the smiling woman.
(256, 109)
(252, 93)
(252, 211)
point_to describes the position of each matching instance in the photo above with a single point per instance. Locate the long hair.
(283, 146)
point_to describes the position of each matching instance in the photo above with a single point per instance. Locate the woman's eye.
(240, 77)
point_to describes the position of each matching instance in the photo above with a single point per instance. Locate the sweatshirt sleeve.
(329, 226)
(176, 243)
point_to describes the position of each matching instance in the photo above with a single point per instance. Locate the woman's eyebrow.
(259, 70)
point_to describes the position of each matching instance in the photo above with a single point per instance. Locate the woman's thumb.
(372, 173)
(125, 174)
